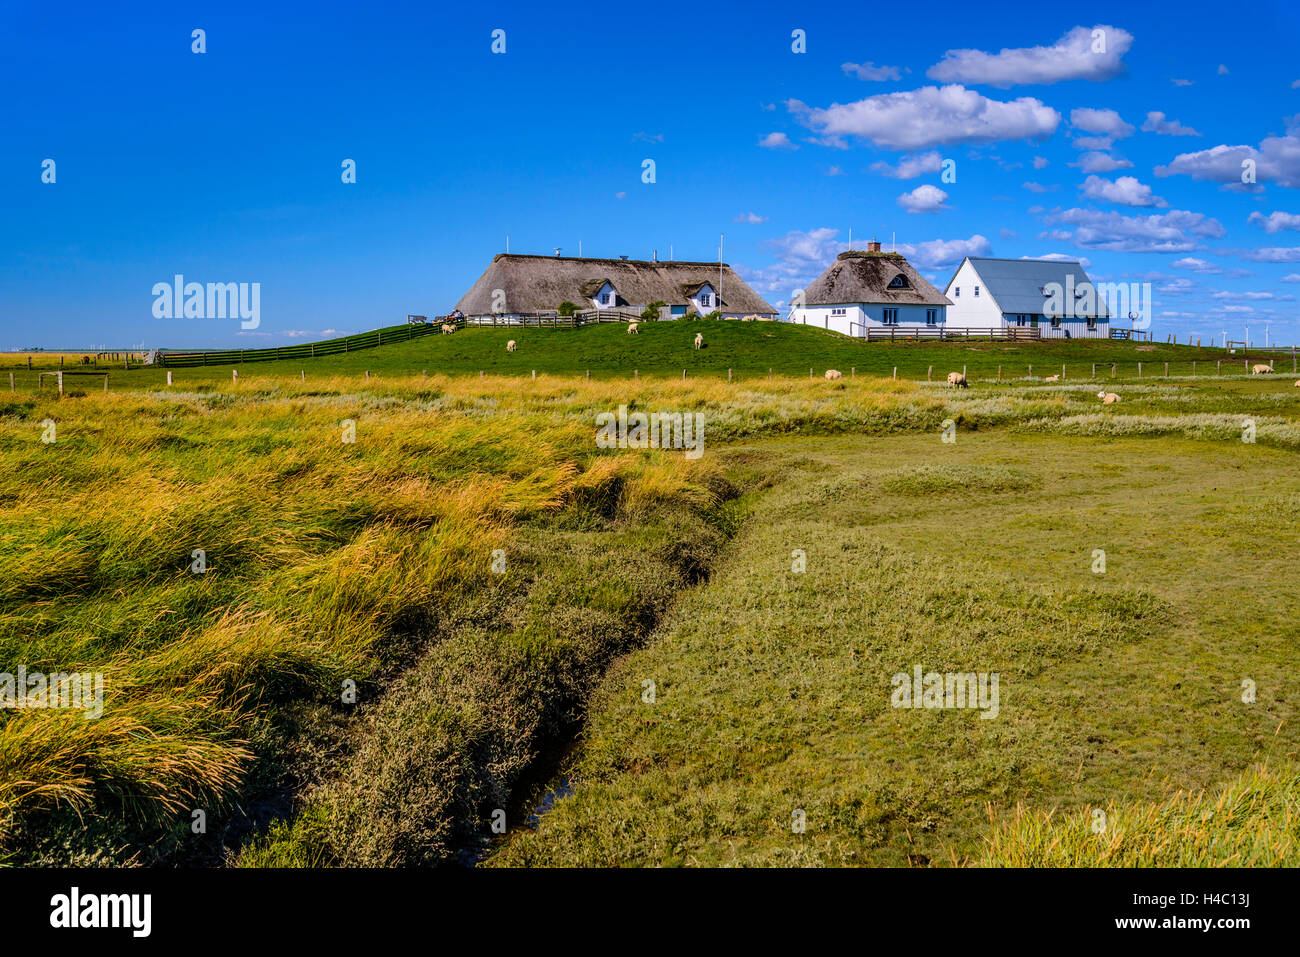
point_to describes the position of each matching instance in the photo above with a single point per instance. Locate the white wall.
(613, 297)
(969, 311)
(870, 314)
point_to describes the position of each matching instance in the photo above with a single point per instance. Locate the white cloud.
(1040, 162)
(1103, 122)
(1072, 57)
(752, 218)
(869, 71)
(1197, 266)
(1124, 191)
(1157, 123)
(924, 199)
(1175, 231)
(799, 258)
(928, 117)
(1253, 296)
(1097, 143)
(1223, 70)
(910, 167)
(1295, 276)
(1100, 163)
(835, 171)
(776, 141)
(1277, 160)
(1275, 222)
(1178, 81)
(1295, 84)
(944, 252)
(1272, 254)
(1037, 187)
(1007, 233)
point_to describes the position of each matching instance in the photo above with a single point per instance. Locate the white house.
(1056, 297)
(870, 289)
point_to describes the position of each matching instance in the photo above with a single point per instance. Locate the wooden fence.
(916, 333)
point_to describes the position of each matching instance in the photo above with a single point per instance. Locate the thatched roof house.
(872, 277)
(519, 284)
(869, 289)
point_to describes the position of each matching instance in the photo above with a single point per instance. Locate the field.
(425, 604)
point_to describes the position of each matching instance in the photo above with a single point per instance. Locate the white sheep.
(447, 328)
(1260, 369)
(750, 318)
(834, 374)
(958, 379)
(1053, 378)
(510, 346)
(699, 340)
(1297, 385)
(1107, 398)
(633, 329)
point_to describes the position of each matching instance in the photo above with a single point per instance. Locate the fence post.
(105, 381)
(810, 375)
(1062, 370)
(1166, 370)
(534, 375)
(963, 371)
(683, 375)
(588, 375)
(1139, 370)
(999, 373)
(1218, 367)
(367, 375)
(1031, 372)
(11, 382)
(60, 382)
(635, 374)
(853, 372)
(728, 375)
(895, 372)
(1193, 368)
(928, 373)
(1112, 370)
(169, 376)
(1094, 370)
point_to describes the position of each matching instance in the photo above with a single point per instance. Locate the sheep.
(1053, 378)
(958, 379)
(1297, 385)
(510, 346)
(1260, 369)
(699, 340)
(1107, 398)
(833, 374)
(750, 318)
(448, 328)
(633, 329)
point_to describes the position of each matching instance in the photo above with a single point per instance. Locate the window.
(1021, 319)
(957, 293)
(604, 299)
(890, 317)
(706, 299)
(839, 312)
(931, 316)
(898, 282)
(1056, 322)
(977, 291)
(1092, 322)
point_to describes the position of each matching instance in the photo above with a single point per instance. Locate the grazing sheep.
(957, 379)
(1260, 369)
(633, 329)
(1297, 385)
(699, 340)
(1107, 398)
(448, 328)
(750, 318)
(510, 346)
(834, 374)
(1053, 378)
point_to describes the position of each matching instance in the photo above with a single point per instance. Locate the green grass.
(773, 688)
(665, 349)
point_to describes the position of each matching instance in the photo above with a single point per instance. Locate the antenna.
(557, 249)
(893, 241)
(850, 239)
(507, 244)
(579, 248)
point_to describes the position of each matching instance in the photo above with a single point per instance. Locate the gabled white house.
(1056, 297)
(870, 289)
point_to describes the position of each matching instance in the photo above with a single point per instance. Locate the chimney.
(873, 246)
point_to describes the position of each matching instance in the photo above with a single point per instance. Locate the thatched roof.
(541, 283)
(872, 277)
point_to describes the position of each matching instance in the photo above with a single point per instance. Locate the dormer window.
(898, 282)
(604, 298)
(706, 299)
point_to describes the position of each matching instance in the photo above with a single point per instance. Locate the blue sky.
(225, 166)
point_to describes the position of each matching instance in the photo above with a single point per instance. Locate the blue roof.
(1017, 285)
